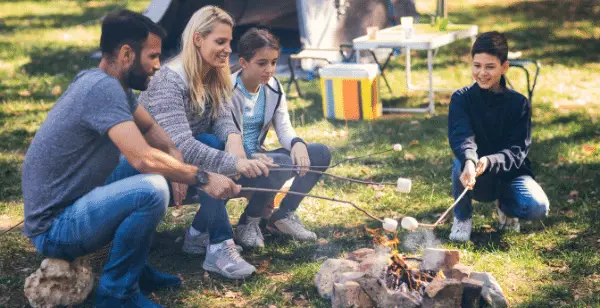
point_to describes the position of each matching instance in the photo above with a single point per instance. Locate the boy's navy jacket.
(496, 125)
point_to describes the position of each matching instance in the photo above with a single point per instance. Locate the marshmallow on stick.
(409, 223)
(390, 225)
(403, 185)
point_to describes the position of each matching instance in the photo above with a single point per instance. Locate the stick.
(335, 176)
(311, 196)
(342, 161)
(446, 212)
(11, 228)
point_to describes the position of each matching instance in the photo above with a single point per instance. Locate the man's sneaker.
(291, 226)
(136, 300)
(152, 280)
(195, 244)
(461, 230)
(506, 223)
(224, 259)
(249, 234)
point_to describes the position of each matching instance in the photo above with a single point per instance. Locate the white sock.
(194, 232)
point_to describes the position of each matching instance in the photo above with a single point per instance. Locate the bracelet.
(295, 140)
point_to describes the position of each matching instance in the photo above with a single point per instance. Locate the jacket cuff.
(470, 155)
(493, 160)
(228, 165)
(295, 140)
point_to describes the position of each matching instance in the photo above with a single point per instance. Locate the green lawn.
(43, 44)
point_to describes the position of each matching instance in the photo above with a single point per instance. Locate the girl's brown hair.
(255, 39)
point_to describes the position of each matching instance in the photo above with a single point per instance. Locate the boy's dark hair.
(493, 43)
(126, 27)
(255, 39)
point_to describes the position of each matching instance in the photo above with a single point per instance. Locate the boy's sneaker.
(224, 259)
(461, 230)
(249, 234)
(195, 244)
(291, 226)
(506, 223)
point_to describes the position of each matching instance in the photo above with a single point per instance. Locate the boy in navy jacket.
(489, 130)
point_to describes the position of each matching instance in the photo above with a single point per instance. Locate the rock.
(443, 293)
(371, 286)
(397, 299)
(59, 283)
(349, 276)
(471, 293)
(330, 272)
(367, 265)
(350, 295)
(491, 291)
(362, 254)
(459, 272)
(435, 259)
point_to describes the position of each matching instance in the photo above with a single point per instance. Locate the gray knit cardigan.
(167, 99)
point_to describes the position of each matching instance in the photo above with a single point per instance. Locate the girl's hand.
(235, 146)
(264, 158)
(467, 178)
(300, 157)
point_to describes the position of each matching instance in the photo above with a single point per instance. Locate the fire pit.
(382, 277)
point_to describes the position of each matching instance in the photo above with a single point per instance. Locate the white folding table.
(424, 37)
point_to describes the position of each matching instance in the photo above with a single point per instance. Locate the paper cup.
(372, 32)
(403, 185)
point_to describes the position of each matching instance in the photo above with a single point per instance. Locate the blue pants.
(522, 197)
(125, 212)
(319, 156)
(211, 217)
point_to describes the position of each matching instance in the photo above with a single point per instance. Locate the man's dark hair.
(493, 43)
(255, 39)
(126, 28)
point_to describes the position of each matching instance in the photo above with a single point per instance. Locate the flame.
(380, 239)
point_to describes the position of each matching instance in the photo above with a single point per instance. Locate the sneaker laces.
(296, 223)
(231, 252)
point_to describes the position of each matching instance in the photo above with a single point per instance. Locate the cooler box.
(350, 91)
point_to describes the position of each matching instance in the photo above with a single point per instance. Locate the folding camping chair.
(515, 61)
(346, 51)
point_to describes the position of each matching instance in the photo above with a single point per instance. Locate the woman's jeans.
(211, 217)
(522, 197)
(125, 212)
(319, 156)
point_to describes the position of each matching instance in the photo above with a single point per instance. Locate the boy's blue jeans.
(125, 212)
(522, 197)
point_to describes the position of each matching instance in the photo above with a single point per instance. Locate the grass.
(551, 264)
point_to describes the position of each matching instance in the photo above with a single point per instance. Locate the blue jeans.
(522, 197)
(211, 217)
(125, 212)
(319, 156)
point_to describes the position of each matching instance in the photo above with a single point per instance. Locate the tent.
(298, 23)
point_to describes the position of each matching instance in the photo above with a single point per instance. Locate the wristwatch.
(201, 177)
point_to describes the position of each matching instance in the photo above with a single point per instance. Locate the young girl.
(259, 103)
(489, 129)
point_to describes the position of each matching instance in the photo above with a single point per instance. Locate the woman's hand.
(252, 168)
(467, 178)
(300, 157)
(235, 146)
(264, 158)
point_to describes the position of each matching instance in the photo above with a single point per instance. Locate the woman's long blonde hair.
(216, 88)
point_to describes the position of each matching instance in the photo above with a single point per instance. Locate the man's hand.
(252, 168)
(467, 178)
(235, 146)
(300, 157)
(221, 187)
(482, 165)
(179, 189)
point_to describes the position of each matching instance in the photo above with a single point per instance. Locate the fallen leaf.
(414, 142)
(25, 93)
(56, 90)
(230, 294)
(322, 242)
(572, 236)
(409, 156)
(272, 306)
(377, 187)
(588, 148)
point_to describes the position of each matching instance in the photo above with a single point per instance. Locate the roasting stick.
(447, 211)
(335, 176)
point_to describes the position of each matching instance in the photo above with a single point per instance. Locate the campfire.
(383, 277)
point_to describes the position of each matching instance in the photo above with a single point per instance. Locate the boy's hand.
(467, 178)
(482, 165)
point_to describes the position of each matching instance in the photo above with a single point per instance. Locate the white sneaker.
(249, 234)
(195, 244)
(461, 230)
(506, 223)
(292, 226)
(224, 259)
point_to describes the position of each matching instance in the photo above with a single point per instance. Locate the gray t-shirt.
(71, 153)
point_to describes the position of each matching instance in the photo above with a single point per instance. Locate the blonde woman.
(190, 98)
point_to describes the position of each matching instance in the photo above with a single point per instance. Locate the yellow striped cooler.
(350, 91)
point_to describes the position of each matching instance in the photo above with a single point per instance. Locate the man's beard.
(136, 78)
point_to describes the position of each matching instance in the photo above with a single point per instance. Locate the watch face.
(202, 177)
